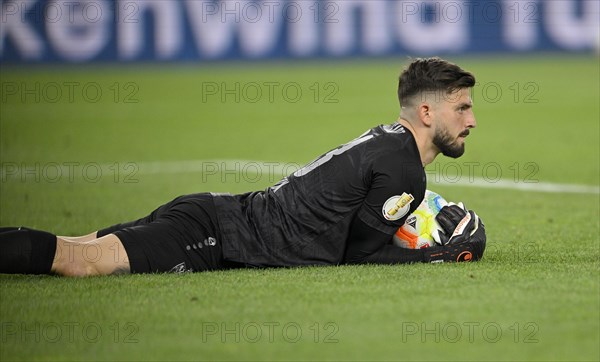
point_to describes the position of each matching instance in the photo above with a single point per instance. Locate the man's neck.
(427, 150)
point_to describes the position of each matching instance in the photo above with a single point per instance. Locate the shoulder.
(394, 148)
(393, 137)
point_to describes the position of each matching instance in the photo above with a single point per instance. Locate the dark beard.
(443, 141)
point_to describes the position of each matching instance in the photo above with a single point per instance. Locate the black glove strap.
(471, 249)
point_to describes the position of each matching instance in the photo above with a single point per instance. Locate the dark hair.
(431, 75)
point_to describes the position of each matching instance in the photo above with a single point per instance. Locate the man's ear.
(424, 113)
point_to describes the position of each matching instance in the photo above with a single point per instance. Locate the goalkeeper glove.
(462, 237)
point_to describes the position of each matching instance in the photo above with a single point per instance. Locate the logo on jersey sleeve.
(397, 206)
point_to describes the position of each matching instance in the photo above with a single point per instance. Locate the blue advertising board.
(33, 31)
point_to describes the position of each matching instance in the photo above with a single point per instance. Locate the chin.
(455, 152)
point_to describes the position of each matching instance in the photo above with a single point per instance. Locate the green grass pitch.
(85, 147)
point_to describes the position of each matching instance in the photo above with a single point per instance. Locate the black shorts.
(180, 236)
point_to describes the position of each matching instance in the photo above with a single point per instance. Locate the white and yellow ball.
(420, 226)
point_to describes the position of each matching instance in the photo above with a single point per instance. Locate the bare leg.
(102, 256)
(80, 239)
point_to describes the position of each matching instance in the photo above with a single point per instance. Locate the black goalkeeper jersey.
(306, 218)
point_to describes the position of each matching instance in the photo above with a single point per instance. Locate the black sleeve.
(368, 245)
(392, 180)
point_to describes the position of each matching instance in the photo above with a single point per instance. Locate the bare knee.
(103, 256)
(70, 259)
(75, 268)
(80, 239)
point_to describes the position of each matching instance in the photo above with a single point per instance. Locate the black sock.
(26, 251)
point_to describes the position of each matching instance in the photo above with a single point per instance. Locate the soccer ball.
(417, 231)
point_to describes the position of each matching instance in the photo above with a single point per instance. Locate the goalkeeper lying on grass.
(342, 208)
